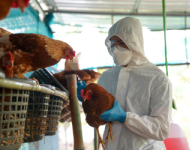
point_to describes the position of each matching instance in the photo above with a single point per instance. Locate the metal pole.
(39, 7)
(166, 59)
(114, 13)
(164, 26)
(112, 20)
(186, 38)
(75, 112)
(95, 140)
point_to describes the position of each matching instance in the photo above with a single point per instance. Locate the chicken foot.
(100, 140)
(22, 76)
(109, 134)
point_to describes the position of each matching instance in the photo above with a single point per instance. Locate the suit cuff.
(125, 119)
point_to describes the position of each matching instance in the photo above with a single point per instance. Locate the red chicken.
(97, 100)
(34, 51)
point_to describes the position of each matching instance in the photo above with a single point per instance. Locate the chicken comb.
(89, 96)
(7, 67)
(69, 53)
(11, 55)
(16, 5)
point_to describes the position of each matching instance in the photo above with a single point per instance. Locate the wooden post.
(75, 112)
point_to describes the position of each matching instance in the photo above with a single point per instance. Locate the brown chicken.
(7, 63)
(5, 6)
(34, 51)
(61, 76)
(89, 76)
(94, 76)
(97, 100)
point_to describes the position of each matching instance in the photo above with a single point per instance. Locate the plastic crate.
(45, 77)
(13, 109)
(36, 116)
(37, 103)
(54, 112)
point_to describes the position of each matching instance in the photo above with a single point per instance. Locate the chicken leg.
(109, 134)
(100, 140)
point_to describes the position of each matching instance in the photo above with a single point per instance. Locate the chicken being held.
(34, 51)
(5, 6)
(96, 100)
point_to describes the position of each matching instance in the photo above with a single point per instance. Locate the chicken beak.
(21, 4)
(84, 99)
(22, 8)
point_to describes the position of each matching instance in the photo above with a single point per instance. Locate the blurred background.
(84, 24)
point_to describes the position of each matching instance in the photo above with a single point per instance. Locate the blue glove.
(116, 113)
(79, 88)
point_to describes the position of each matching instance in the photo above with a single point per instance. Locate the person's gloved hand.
(116, 113)
(79, 88)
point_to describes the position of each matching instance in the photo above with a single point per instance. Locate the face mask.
(121, 56)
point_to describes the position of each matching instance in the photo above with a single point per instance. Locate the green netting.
(27, 22)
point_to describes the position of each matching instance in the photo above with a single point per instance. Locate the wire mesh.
(54, 112)
(36, 116)
(13, 109)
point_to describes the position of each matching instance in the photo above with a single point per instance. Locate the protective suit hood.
(129, 30)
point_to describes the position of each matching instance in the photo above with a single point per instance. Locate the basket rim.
(4, 83)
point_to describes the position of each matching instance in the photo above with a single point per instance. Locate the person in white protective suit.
(143, 93)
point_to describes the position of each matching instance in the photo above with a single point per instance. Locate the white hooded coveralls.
(143, 91)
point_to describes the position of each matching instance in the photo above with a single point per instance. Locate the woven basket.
(54, 112)
(36, 116)
(15, 93)
(13, 109)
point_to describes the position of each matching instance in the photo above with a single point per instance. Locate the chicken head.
(87, 95)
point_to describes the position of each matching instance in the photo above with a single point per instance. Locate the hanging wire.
(164, 26)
